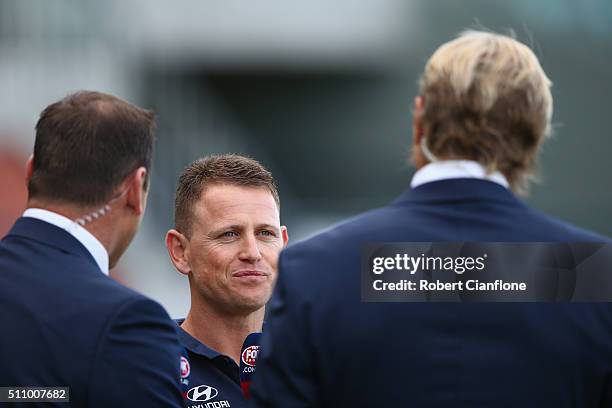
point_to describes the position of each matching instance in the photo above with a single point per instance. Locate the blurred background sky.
(319, 91)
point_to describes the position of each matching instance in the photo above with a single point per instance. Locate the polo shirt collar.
(194, 345)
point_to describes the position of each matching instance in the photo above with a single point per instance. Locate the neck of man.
(224, 333)
(98, 228)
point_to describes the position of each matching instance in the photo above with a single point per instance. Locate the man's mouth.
(248, 272)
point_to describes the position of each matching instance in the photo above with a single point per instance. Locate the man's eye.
(229, 234)
(267, 233)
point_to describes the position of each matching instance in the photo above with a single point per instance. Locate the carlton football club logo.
(249, 355)
(185, 368)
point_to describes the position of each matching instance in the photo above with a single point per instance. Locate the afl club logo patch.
(249, 355)
(185, 368)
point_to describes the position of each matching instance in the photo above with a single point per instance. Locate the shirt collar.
(452, 169)
(194, 345)
(90, 242)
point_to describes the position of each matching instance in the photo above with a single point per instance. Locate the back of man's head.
(86, 145)
(486, 98)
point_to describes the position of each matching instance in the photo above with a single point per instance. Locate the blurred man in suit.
(65, 322)
(226, 241)
(483, 111)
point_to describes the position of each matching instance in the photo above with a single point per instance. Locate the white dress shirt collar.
(91, 243)
(451, 169)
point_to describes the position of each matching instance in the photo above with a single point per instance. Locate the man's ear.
(285, 235)
(417, 120)
(179, 251)
(29, 168)
(417, 158)
(136, 194)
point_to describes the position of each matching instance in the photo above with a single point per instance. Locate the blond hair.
(487, 98)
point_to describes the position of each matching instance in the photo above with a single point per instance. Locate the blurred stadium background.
(318, 91)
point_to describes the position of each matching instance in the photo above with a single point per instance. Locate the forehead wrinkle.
(242, 223)
(239, 210)
(219, 197)
(212, 215)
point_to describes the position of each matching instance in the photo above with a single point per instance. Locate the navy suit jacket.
(64, 323)
(323, 347)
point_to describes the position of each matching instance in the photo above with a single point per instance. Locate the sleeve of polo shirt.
(137, 360)
(286, 373)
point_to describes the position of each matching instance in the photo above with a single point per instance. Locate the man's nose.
(250, 250)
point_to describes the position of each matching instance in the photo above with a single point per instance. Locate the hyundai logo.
(202, 393)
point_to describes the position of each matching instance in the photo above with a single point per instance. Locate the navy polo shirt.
(209, 379)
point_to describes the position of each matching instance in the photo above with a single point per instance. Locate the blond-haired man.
(483, 110)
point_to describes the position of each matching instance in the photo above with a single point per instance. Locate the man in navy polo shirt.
(226, 240)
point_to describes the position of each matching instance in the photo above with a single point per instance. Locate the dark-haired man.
(226, 240)
(65, 322)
